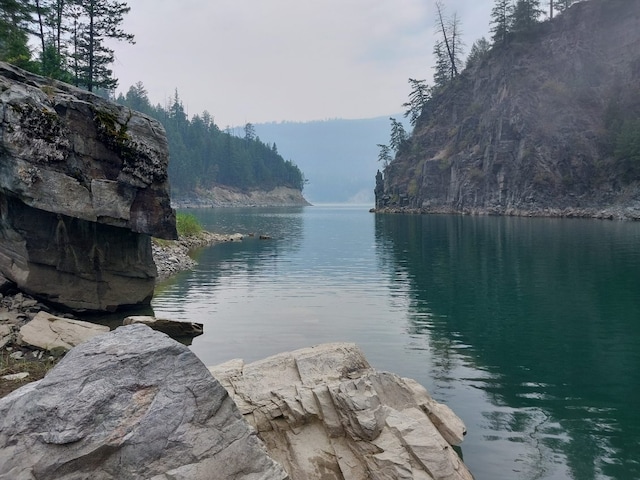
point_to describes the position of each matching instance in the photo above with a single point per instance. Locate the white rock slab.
(49, 332)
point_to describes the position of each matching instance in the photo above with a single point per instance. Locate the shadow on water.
(549, 308)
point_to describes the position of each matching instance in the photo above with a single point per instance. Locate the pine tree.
(15, 22)
(398, 135)
(442, 67)
(525, 15)
(478, 50)
(96, 21)
(500, 21)
(385, 155)
(418, 98)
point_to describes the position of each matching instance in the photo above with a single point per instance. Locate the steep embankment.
(535, 127)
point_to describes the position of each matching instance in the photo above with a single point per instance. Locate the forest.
(68, 40)
(203, 156)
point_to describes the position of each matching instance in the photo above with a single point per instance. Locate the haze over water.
(528, 328)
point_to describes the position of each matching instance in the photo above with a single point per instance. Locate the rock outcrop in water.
(325, 414)
(83, 185)
(535, 127)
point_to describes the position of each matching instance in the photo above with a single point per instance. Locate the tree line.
(203, 156)
(65, 40)
(70, 39)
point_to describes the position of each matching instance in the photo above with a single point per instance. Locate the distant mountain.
(339, 157)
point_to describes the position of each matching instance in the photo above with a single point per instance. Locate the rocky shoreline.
(172, 257)
(605, 213)
(228, 197)
(17, 308)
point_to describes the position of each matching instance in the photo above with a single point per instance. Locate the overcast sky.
(275, 60)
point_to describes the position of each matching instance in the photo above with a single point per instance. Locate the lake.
(528, 328)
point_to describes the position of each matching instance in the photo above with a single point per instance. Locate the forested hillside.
(203, 156)
(542, 121)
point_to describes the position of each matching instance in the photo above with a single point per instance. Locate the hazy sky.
(273, 60)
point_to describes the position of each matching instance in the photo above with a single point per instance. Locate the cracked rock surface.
(324, 413)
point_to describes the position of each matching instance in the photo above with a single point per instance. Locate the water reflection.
(549, 310)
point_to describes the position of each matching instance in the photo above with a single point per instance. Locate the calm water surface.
(528, 328)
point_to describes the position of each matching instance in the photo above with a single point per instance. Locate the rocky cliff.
(531, 129)
(83, 185)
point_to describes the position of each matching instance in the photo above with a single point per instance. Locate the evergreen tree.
(137, 99)
(398, 135)
(478, 50)
(442, 67)
(385, 155)
(525, 15)
(96, 21)
(418, 98)
(501, 21)
(51, 27)
(249, 132)
(15, 22)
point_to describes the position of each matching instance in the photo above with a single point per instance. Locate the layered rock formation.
(325, 414)
(83, 185)
(531, 129)
(129, 404)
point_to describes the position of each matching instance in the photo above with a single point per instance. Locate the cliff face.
(83, 185)
(531, 128)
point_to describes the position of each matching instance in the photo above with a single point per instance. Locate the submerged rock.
(129, 404)
(324, 413)
(83, 186)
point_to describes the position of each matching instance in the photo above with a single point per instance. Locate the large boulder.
(83, 186)
(129, 404)
(325, 414)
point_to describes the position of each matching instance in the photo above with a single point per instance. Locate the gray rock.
(325, 414)
(173, 328)
(5, 334)
(83, 185)
(129, 404)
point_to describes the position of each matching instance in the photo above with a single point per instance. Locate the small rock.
(173, 328)
(15, 376)
(17, 355)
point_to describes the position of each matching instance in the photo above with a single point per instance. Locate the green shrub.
(187, 224)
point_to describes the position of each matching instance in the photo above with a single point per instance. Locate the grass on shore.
(36, 368)
(187, 225)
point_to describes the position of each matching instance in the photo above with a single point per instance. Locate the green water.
(528, 328)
